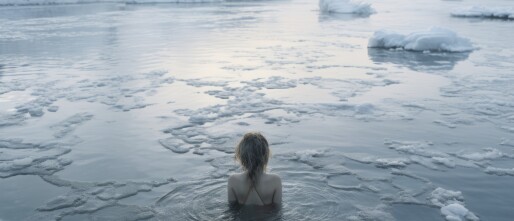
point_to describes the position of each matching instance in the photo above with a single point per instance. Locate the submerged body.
(254, 186)
(265, 190)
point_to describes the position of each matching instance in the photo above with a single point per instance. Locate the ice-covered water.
(114, 111)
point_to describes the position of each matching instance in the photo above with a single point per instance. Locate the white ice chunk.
(484, 12)
(444, 161)
(451, 203)
(274, 82)
(488, 154)
(442, 197)
(457, 212)
(434, 39)
(499, 171)
(345, 6)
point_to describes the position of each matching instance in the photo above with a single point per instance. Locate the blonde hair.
(253, 153)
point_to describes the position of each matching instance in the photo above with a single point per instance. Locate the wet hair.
(253, 153)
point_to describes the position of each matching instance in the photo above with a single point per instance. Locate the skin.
(269, 187)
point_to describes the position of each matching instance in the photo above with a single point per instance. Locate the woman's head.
(253, 153)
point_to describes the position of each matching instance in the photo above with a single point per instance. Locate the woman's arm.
(277, 195)
(230, 190)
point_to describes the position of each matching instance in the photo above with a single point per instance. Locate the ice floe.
(435, 39)
(22, 158)
(499, 171)
(54, 2)
(274, 82)
(98, 199)
(457, 212)
(487, 154)
(484, 12)
(118, 92)
(425, 154)
(346, 7)
(67, 126)
(451, 204)
(187, 137)
(251, 101)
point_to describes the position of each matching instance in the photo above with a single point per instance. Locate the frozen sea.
(115, 111)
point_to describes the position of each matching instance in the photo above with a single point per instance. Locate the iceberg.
(434, 39)
(484, 12)
(346, 7)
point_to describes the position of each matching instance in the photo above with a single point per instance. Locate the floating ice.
(306, 156)
(435, 39)
(484, 12)
(392, 163)
(202, 83)
(189, 137)
(10, 120)
(274, 82)
(441, 197)
(176, 145)
(451, 206)
(13, 85)
(54, 2)
(97, 199)
(488, 154)
(499, 171)
(35, 107)
(67, 126)
(444, 161)
(421, 154)
(345, 6)
(20, 158)
(413, 147)
(457, 212)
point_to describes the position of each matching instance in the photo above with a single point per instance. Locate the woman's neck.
(257, 176)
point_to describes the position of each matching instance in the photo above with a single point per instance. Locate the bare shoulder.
(235, 178)
(274, 178)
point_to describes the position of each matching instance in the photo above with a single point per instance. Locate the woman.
(254, 186)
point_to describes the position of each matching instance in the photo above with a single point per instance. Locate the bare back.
(266, 190)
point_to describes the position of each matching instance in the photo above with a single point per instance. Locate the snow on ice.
(484, 12)
(435, 39)
(346, 7)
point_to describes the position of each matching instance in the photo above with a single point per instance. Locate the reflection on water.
(307, 195)
(417, 61)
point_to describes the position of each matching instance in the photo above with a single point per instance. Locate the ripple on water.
(308, 199)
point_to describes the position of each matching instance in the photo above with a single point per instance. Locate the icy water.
(131, 112)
